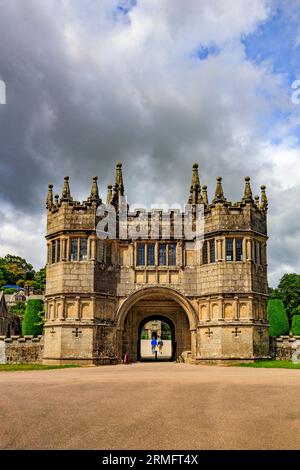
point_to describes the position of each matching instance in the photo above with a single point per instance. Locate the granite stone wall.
(284, 347)
(21, 350)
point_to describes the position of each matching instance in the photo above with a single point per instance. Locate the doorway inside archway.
(156, 339)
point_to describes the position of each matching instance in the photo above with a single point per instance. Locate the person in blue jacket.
(153, 345)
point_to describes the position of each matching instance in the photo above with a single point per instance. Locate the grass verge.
(272, 364)
(17, 367)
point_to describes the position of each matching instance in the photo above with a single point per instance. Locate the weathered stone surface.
(94, 307)
(18, 350)
(284, 347)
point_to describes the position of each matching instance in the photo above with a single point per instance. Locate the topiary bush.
(296, 325)
(279, 324)
(32, 317)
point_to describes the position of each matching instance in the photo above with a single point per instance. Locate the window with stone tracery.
(204, 253)
(172, 254)
(212, 251)
(156, 254)
(140, 260)
(151, 254)
(74, 249)
(100, 251)
(83, 249)
(162, 254)
(239, 249)
(53, 243)
(229, 249)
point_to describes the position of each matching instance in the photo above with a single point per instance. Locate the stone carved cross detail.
(236, 331)
(209, 332)
(52, 331)
(76, 332)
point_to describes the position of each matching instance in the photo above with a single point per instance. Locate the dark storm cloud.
(79, 114)
(89, 83)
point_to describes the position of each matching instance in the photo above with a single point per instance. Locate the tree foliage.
(18, 308)
(32, 318)
(296, 324)
(273, 293)
(289, 292)
(15, 270)
(39, 280)
(279, 324)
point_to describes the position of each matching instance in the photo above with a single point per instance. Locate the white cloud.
(98, 86)
(22, 235)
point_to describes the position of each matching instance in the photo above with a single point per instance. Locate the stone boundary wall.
(21, 350)
(283, 347)
(29, 349)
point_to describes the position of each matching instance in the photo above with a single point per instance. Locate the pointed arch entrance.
(154, 302)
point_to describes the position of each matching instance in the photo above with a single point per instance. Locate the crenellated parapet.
(21, 349)
(248, 214)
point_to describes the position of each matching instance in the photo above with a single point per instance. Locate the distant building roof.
(8, 286)
(35, 297)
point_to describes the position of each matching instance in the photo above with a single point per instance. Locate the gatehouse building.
(101, 293)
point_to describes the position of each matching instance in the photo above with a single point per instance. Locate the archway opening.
(152, 303)
(156, 339)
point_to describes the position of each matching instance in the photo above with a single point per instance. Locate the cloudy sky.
(157, 84)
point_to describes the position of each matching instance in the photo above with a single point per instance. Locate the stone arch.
(166, 292)
(132, 310)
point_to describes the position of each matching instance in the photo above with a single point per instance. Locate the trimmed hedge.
(279, 324)
(31, 316)
(296, 325)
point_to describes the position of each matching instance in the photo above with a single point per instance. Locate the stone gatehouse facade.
(100, 293)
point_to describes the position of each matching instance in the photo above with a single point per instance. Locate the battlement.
(22, 339)
(286, 348)
(66, 215)
(21, 349)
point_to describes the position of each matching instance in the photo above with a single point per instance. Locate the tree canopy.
(15, 270)
(31, 324)
(279, 324)
(288, 291)
(296, 325)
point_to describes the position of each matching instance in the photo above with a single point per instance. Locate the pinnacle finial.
(119, 178)
(204, 194)
(195, 189)
(219, 194)
(190, 198)
(109, 194)
(66, 194)
(264, 199)
(95, 190)
(195, 177)
(56, 200)
(247, 192)
(49, 200)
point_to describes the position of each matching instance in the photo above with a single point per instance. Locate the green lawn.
(16, 367)
(272, 364)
